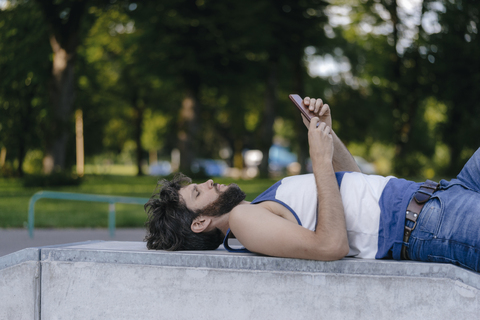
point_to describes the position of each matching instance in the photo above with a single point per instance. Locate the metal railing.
(111, 200)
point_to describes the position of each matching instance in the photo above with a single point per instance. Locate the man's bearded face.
(227, 200)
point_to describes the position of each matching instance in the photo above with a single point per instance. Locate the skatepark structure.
(124, 280)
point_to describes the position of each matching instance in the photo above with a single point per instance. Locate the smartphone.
(303, 109)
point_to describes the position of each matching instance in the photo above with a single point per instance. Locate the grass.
(14, 199)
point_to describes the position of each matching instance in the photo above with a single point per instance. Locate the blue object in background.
(280, 157)
(213, 168)
(161, 168)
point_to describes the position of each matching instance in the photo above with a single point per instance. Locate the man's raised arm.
(331, 226)
(342, 159)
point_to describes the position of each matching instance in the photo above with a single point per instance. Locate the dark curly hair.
(169, 220)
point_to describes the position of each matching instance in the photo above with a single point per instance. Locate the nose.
(209, 184)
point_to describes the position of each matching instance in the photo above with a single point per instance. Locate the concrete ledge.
(124, 280)
(12, 259)
(136, 253)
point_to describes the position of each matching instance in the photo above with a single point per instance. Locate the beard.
(227, 200)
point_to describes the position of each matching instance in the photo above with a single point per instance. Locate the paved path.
(12, 240)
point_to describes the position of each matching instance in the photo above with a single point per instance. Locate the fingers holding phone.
(313, 104)
(321, 110)
(320, 140)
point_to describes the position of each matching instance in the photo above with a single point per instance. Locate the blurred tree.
(299, 25)
(215, 76)
(452, 51)
(117, 79)
(189, 44)
(23, 98)
(64, 19)
(408, 91)
(218, 62)
(381, 96)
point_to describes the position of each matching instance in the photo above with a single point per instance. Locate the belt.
(413, 210)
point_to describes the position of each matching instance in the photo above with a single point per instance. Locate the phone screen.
(298, 101)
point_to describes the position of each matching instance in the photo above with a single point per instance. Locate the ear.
(201, 223)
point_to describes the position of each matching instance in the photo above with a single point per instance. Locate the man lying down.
(335, 212)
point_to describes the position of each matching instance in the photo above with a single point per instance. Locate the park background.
(148, 88)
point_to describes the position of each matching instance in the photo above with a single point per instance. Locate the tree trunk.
(406, 100)
(62, 97)
(138, 119)
(64, 40)
(21, 155)
(24, 135)
(266, 137)
(189, 128)
(401, 127)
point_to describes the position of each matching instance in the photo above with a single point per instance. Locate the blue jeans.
(448, 228)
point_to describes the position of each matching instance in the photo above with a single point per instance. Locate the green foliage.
(454, 66)
(107, 114)
(410, 95)
(154, 127)
(398, 63)
(33, 161)
(23, 81)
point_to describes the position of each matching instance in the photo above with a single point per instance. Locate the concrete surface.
(20, 285)
(124, 280)
(12, 240)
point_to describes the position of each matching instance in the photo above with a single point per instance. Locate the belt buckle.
(411, 216)
(420, 197)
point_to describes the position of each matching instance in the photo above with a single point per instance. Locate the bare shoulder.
(251, 212)
(244, 215)
(262, 231)
(240, 210)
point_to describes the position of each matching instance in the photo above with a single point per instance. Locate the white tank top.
(360, 197)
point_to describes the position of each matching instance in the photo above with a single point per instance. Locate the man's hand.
(342, 159)
(322, 111)
(320, 141)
